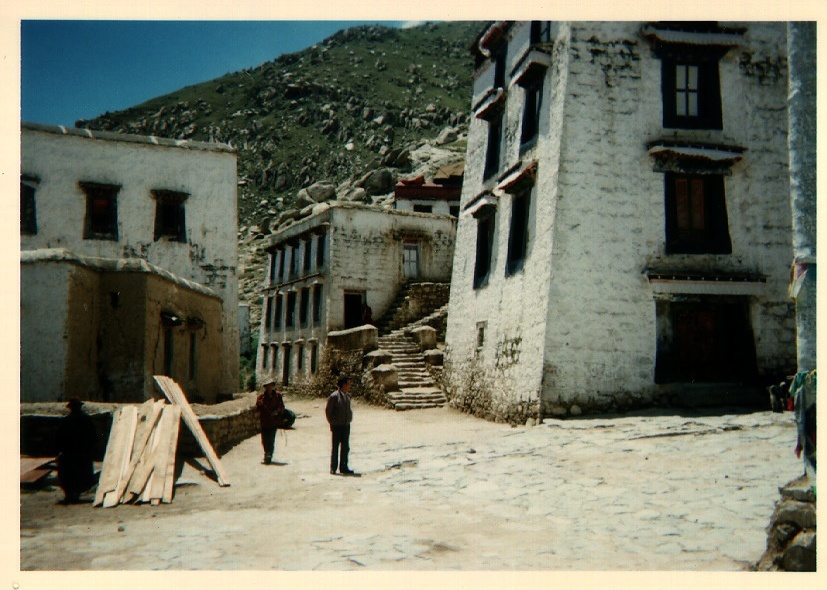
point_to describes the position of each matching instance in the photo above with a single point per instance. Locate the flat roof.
(128, 137)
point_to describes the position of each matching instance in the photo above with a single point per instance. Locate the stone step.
(416, 406)
(396, 396)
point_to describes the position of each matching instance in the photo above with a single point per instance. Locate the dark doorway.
(706, 340)
(285, 373)
(353, 309)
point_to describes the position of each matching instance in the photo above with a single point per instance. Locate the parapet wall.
(225, 424)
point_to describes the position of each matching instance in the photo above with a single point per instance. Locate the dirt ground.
(442, 490)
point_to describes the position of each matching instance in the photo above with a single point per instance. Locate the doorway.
(353, 308)
(410, 260)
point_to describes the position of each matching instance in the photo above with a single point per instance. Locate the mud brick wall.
(225, 425)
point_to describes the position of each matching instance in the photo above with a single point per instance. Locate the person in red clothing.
(270, 406)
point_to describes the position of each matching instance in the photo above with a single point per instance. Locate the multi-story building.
(324, 269)
(624, 234)
(104, 200)
(441, 195)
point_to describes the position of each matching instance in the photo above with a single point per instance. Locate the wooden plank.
(169, 482)
(159, 454)
(151, 449)
(173, 392)
(149, 413)
(141, 474)
(112, 497)
(122, 421)
(35, 475)
(30, 463)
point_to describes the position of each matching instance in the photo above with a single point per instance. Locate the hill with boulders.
(343, 119)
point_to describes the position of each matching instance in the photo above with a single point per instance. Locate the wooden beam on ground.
(159, 455)
(173, 392)
(33, 469)
(120, 439)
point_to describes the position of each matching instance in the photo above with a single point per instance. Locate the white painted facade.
(437, 206)
(363, 260)
(58, 162)
(579, 326)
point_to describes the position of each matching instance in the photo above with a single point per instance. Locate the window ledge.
(490, 104)
(531, 66)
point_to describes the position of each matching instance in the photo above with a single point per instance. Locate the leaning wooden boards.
(141, 449)
(174, 394)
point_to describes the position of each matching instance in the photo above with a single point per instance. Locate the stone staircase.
(413, 301)
(416, 386)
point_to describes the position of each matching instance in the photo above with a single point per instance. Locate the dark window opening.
(454, 210)
(423, 208)
(307, 258)
(492, 151)
(272, 267)
(540, 32)
(691, 94)
(317, 305)
(291, 309)
(193, 358)
(518, 233)
(28, 213)
(101, 221)
(696, 215)
(169, 340)
(299, 357)
(705, 340)
(294, 261)
(485, 244)
(268, 314)
(274, 356)
(353, 309)
(282, 254)
(265, 355)
(531, 112)
(278, 314)
(499, 67)
(314, 357)
(169, 215)
(304, 304)
(320, 243)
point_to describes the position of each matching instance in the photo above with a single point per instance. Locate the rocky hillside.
(342, 119)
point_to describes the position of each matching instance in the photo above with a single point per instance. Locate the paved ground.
(442, 490)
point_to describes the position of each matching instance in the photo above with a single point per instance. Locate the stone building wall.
(55, 160)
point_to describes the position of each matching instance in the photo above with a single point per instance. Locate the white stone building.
(624, 235)
(441, 195)
(325, 267)
(110, 196)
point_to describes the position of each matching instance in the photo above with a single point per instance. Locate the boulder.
(379, 182)
(321, 191)
(303, 198)
(447, 135)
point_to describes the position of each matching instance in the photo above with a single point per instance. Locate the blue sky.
(74, 70)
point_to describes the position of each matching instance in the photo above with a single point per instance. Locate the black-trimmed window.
(518, 232)
(169, 215)
(485, 248)
(307, 258)
(101, 221)
(317, 304)
(268, 314)
(499, 66)
(531, 112)
(320, 243)
(423, 208)
(273, 267)
(294, 261)
(28, 211)
(278, 314)
(304, 305)
(282, 256)
(492, 151)
(453, 210)
(274, 356)
(540, 32)
(314, 357)
(691, 93)
(696, 215)
(290, 320)
(300, 357)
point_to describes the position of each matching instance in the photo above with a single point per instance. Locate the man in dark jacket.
(339, 416)
(270, 406)
(76, 440)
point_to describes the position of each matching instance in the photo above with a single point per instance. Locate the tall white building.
(625, 232)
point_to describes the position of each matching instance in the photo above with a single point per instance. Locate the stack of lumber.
(139, 464)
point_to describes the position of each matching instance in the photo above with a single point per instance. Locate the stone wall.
(225, 424)
(791, 541)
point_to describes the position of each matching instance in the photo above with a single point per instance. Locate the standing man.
(270, 406)
(76, 439)
(339, 416)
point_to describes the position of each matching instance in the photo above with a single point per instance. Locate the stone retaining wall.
(225, 424)
(791, 541)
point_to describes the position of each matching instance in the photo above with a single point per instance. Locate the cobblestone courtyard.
(442, 490)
